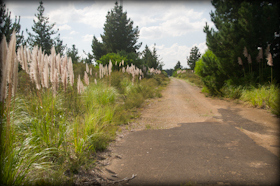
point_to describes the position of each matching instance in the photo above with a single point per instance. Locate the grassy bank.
(47, 138)
(190, 77)
(260, 96)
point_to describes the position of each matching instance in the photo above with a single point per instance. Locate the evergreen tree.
(151, 59)
(43, 33)
(98, 49)
(58, 44)
(7, 26)
(73, 53)
(147, 57)
(119, 34)
(178, 66)
(240, 24)
(194, 56)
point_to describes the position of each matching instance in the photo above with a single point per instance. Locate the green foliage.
(47, 137)
(178, 66)
(151, 59)
(131, 58)
(73, 53)
(43, 32)
(7, 26)
(261, 96)
(194, 56)
(239, 25)
(119, 34)
(114, 57)
(97, 48)
(191, 78)
(209, 71)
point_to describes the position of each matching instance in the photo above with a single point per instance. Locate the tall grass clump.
(264, 96)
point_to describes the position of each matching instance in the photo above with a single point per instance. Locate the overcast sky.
(174, 26)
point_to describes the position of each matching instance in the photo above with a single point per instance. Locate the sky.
(174, 26)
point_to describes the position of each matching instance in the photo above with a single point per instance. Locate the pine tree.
(73, 53)
(98, 49)
(7, 26)
(151, 59)
(119, 34)
(178, 66)
(194, 56)
(43, 33)
(240, 24)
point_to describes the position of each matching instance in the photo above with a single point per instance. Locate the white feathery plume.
(34, 72)
(245, 52)
(25, 67)
(116, 63)
(95, 81)
(41, 57)
(70, 70)
(45, 81)
(86, 79)
(90, 71)
(58, 63)
(87, 69)
(260, 55)
(64, 79)
(11, 57)
(239, 61)
(100, 70)
(55, 82)
(249, 59)
(4, 65)
(52, 64)
(110, 67)
(269, 59)
(78, 84)
(20, 56)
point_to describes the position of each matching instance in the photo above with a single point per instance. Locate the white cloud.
(152, 32)
(88, 37)
(175, 20)
(93, 15)
(63, 27)
(73, 32)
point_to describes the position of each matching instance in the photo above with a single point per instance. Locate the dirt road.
(187, 138)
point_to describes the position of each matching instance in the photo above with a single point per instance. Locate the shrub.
(210, 73)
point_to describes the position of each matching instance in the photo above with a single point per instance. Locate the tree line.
(243, 48)
(119, 40)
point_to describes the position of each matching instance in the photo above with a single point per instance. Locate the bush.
(208, 69)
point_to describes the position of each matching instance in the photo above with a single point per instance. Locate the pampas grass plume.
(269, 59)
(245, 52)
(86, 79)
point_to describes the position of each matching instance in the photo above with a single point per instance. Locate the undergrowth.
(260, 96)
(49, 138)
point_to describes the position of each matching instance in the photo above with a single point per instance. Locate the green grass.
(191, 78)
(45, 136)
(265, 96)
(261, 96)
